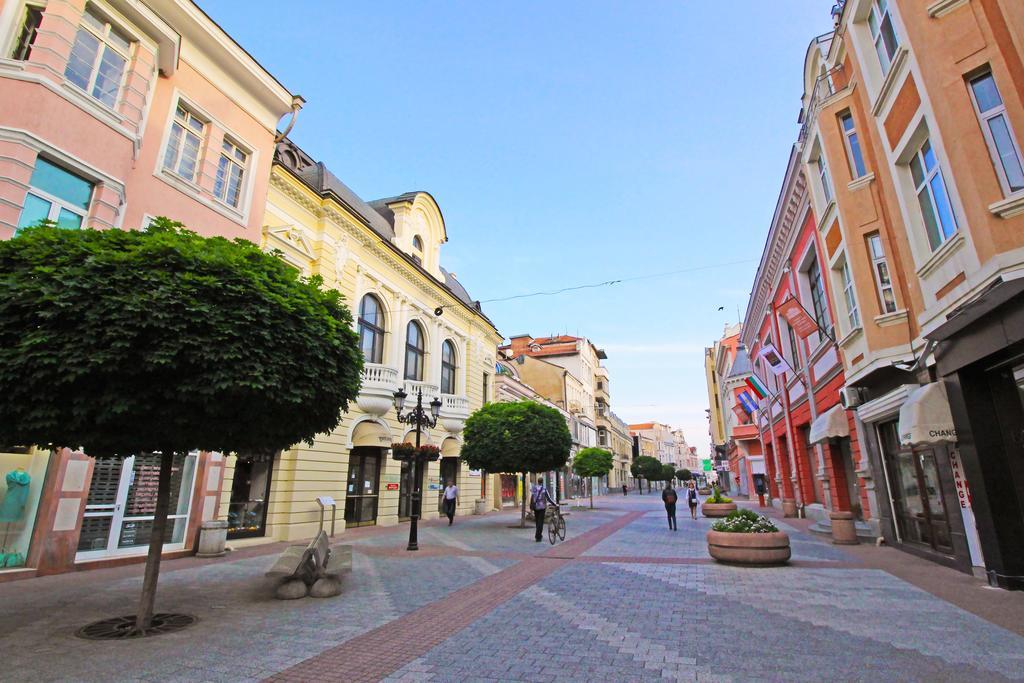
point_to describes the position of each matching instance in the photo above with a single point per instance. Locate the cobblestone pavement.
(623, 599)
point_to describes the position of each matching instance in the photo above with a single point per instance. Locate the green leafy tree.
(668, 472)
(593, 462)
(127, 342)
(523, 436)
(648, 468)
(684, 475)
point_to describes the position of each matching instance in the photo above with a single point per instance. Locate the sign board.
(389, 479)
(434, 484)
(798, 318)
(325, 501)
(391, 487)
(707, 465)
(963, 494)
(474, 473)
(776, 363)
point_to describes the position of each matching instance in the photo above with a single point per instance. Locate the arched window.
(414, 352)
(371, 329)
(447, 367)
(417, 245)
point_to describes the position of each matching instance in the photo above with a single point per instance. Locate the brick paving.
(622, 599)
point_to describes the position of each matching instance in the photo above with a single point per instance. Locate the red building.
(811, 443)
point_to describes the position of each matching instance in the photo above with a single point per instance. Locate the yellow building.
(419, 330)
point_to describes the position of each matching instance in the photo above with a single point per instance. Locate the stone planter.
(758, 550)
(788, 507)
(213, 536)
(844, 532)
(717, 509)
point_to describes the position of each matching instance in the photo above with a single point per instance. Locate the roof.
(741, 364)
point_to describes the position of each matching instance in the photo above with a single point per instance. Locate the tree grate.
(123, 628)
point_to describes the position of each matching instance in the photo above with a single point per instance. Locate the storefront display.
(22, 471)
(250, 492)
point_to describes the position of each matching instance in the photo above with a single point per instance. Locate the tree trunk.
(591, 493)
(156, 543)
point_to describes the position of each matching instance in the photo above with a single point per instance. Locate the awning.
(450, 447)
(832, 424)
(370, 433)
(925, 417)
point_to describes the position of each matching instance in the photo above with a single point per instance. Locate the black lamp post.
(419, 418)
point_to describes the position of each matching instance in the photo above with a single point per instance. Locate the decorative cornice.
(1009, 207)
(941, 8)
(889, 82)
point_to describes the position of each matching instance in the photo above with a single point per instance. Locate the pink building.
(113, 112)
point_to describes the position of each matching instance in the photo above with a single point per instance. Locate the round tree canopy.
(516, 437)
(650, 468)
(684, 474)
(593, 462)
(120, 341)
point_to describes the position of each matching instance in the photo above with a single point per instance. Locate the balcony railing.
(451, 402)
(375, 374)
(430, 391)
(376, 395)
(454, 411)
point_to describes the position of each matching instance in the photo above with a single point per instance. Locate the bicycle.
(556, 524)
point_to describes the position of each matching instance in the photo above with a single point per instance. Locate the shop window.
(57, 195)
(98, 58)
(22, 471)
(228, 184)
(1002, 144)
(936, 210)
(250, 495)
(184, 144)
(27, 34)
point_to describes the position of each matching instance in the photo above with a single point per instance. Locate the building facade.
(113, 112)
(384, 257)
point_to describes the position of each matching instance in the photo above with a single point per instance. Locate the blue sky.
(566, 143)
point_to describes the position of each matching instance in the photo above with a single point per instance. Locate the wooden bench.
(313, 569)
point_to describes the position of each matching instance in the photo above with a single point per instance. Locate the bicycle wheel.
(561, 528)
(552, 530)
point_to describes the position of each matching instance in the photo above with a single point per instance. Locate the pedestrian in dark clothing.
(693, 499)
(451, 499)
(623, 489)
(668, 496)
(539, 500)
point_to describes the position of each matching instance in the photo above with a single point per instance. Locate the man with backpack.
(539, 499)
(668, 496)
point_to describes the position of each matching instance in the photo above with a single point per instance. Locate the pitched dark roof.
(741, 363)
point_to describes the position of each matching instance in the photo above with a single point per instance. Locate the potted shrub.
(717, 505)
(747, 538)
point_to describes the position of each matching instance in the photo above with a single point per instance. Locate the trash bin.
(480, 507)
(213, 534)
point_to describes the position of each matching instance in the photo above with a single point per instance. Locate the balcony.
(377, 393)
(454, 411)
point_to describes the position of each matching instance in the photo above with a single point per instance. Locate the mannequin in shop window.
(12, 509)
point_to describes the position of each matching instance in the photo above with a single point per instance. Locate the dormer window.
(417, 248)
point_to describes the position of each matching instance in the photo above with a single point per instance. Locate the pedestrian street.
(622, 599)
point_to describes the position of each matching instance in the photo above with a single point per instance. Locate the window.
(994, 124)
(56, 195)
(794, 350)
(853, 153)
(882, 33)
(487, 388)
(818, 300)
(931, 194)
(98, 58)
(414, 352)
(184, 143)
(852, 314)
(27, 34)
(447, 368)
(417, 244)
(371, 329)
(600, 385)
(826, 186)
(227, 186)
(883, 282)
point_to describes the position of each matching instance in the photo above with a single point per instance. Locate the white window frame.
(925, 186)
(56, 203)
(22, 14)
(190, 112)
(876, 261)
(848, 136)
(232, 160)
(849, 293)
(876, 9)
(94, 70)
(983, 120)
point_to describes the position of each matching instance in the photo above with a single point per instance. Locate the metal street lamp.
(419, 418)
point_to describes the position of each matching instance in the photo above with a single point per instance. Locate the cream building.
(419, 331)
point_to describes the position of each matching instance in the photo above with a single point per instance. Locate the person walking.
(539, 500)
(693, 498)
(451, 496)
(669, 497)
(623, 489)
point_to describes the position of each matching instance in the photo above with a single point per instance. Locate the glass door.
(361, 491)
(449, 473)
(119, 516)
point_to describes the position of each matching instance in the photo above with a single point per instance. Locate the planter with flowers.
(402, 451)
(717, 505)
(747, 538)
(429, 452)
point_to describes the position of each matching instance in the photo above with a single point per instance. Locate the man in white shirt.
(451, 496)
